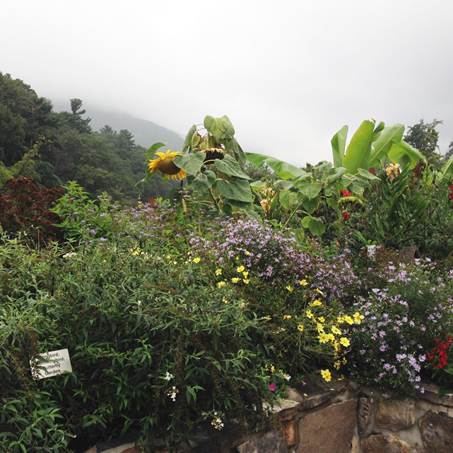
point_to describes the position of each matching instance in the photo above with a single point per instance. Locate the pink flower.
(272, 386)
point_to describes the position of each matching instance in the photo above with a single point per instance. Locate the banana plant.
(371, 145)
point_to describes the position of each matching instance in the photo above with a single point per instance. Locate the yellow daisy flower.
(344, 342)
(303, 282)
(326, 375)
(316, 303)
(289, 288)
(218, 272)
(221, 284)
(300, 327)
(235, 279)
(196, 260)
(240, 269)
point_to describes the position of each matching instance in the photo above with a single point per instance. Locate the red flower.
(345, 193)
(272, 386)
(439, 354)
(345, 215)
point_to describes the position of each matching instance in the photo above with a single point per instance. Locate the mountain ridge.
(145, 132)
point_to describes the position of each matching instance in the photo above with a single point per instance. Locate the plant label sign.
(50, 364)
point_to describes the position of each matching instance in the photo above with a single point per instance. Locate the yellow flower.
(240, 269)
(245, 274)
(265, 205)
(316, 303)
(247, 253)
(321, 319)
(289, 288)
(357, 317)
(300, 327)
(218, 272)
(349, 320)
(286, 317)
(246, 281)
(337, 365)
(303, 282)
(336, 330)
(196, 260)
(323, 337)
(326, 375)
(164, 162)
(235, 279)
(309, 314)
(319, 327)
(225, 300)
(344, 342)
(135, 251)
(221, 284)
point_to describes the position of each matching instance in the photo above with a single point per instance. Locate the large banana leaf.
(282, 169)
(446, 170)
(381, 146)
(358, 150)
(405, 154)
(338, 143)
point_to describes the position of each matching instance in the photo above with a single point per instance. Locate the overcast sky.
(287, 73)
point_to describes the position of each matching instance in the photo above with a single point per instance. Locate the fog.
(287, 73)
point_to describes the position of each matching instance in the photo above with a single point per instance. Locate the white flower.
(217, 422)
(168, 376)
(172, 392)
(69, 255)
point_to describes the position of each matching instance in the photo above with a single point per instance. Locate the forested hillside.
(54, 148)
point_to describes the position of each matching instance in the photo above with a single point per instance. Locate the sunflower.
(214, 153)
(164, 163)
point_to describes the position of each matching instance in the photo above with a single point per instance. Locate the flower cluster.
(275, 258)
(438, 356)
(389, 348)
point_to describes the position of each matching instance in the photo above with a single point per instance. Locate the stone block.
(328, 430)
(395, 415)
(437, 432)
(270, 442)
(384, 443)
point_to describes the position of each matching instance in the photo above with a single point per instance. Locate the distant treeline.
(53, 148)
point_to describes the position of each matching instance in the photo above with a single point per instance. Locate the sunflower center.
(167, 166)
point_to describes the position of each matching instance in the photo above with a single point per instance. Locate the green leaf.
(447, 169)
(191, 163)
(310, 189)
(314, 224)
(338, 143)
(221, 128)
(358, 150)
(151, 151)
(367, 175)
(288, 199)
(339, 172)
(235, 189)
(230, 167)
(381, 146)
(188, 138)
(311, 205)
(405, 154)
(282, 169)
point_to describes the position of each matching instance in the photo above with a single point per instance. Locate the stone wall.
(343, 419)
(351, 419)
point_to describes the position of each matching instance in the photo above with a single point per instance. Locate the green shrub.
(136, 324)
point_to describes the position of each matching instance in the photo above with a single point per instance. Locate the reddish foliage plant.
(25, 206)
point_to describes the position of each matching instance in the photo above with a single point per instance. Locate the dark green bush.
(136, 324)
